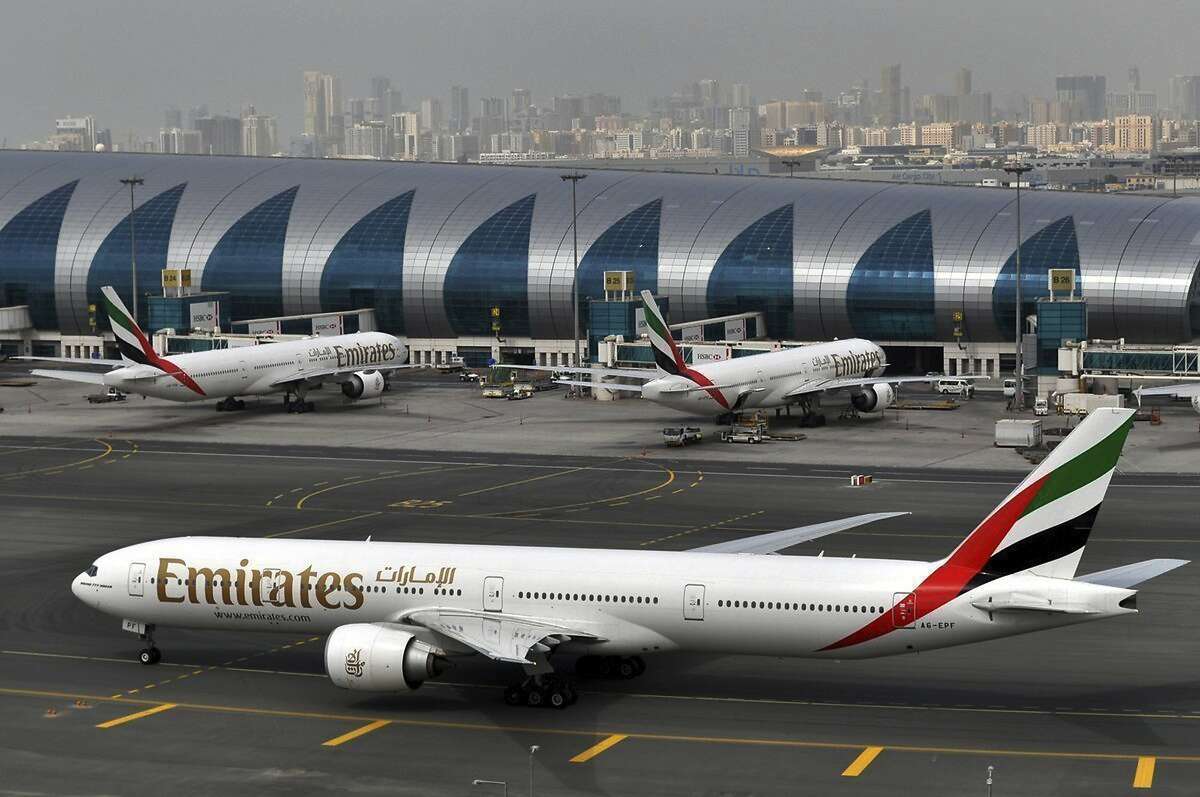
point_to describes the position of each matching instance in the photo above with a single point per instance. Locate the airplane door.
(493, 594)
(245, 372)
(693, 602)
(137, 579)
(904, 610)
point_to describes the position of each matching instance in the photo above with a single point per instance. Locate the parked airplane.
(772, 379)
(1185, 390)
(357, 362)
(395, 612)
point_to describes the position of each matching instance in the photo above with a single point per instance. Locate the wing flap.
(778, 540)
(499, 636)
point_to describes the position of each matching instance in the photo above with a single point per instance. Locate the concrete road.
(1095, 709)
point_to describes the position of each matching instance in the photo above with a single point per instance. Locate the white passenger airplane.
(1184, 390)
(762, 381)
(395, 612)
(358, 362)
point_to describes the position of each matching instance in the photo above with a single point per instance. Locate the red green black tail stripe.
(143, 353)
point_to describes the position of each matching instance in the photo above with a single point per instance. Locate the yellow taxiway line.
(137, 715)
(357, 732)
(1143, 777)
(599, 747)
(862, 762)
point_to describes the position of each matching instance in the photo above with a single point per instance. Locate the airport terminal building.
(435, 247)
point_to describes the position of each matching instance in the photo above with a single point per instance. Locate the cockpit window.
(91, 571)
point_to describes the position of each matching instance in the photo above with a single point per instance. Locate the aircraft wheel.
(534, 698)
(557, 699)
(626, 669)
(514, 696)
(639, 665)
(149, 656)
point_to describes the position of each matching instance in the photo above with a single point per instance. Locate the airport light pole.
(574, 178)
(533, 748)
(132, 182)
(1019, 169)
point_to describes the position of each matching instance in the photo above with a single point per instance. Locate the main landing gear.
(230, 404)
(542, 691)
(297, 404)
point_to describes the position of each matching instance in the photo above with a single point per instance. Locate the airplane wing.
(778, 540)
(1129, 576)
(90, 377)
(73, 361)
(821, 386)
(336, 374)
(499, 636)
(605, 385)
(629, 373)
(1188, 389)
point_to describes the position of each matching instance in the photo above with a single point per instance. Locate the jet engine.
(363, 385)
(874, 398)
(372, 657)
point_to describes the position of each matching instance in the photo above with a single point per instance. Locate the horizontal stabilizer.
(1129, 576)
(1186, 390)
(778, 540)
(605, 385)
(90, 377)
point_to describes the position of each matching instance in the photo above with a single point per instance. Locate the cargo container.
(1018, 433)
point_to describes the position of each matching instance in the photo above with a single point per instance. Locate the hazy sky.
(125, 60)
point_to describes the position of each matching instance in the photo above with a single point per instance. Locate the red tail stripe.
(946, 582)
(165, 365)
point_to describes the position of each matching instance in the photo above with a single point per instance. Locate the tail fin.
(1043, 525)
(134, 345)
(667, 357)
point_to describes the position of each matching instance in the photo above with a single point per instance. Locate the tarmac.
(1102, 708)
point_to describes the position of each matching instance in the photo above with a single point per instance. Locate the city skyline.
(776, 50)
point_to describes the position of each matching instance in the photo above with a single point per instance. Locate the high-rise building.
(740, 96)
(219, 135)
(521, 100)
(177, 141)
(172, 117)
(890, 112)
(460, 109)
(431, 114)
(962, 82)
(323, 116)
(75, 133)
(1080, 94)
(260, 134)
(709, 92)
(1135, 133)
(367, 140)
(1184, 96)
(739, 131)
(380, 86)
(1041, 136)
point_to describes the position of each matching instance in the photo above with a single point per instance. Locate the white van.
(955, 386)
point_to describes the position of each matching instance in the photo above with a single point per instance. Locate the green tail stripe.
(655, 323)
(1082, 470)
(116, 316)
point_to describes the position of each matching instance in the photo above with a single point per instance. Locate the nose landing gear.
(149, 654)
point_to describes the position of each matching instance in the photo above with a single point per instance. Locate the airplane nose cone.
(76, 588)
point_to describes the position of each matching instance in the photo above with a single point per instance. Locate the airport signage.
(206, 316)
(735, 330)
(1062, 280)
(263, 328)
(693, 334)
(618, 281)
(177, 278)
(709, 354)
(328, 325)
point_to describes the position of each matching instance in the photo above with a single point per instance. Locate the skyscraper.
(460, 109)
(219, 135)
(1185, 96)
(431, 114)
(740, 96)
(323, 110)
(739, 128)
(962, 82)
(260, 135)
(1081, 94)
(521, 100)
(890, 111)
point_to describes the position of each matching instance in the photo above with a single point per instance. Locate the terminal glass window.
(28, 248)
(755, 273)
(890, 294)
(631, 244)
(152, 221)
(248, 260)
(491, 269)
(365, 268)
(1053, 246)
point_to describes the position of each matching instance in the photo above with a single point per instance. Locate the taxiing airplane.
(358, 362)
(762, 381)
(395, 612)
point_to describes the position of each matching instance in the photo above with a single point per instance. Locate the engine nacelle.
(874, 398)
(370, 657)
(363, 385)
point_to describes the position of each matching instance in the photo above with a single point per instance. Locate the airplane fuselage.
(767, 380)
(634, 602)
(256, 370)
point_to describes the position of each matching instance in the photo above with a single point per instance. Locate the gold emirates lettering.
(362, 354)
(179, 582)
(853, 364)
